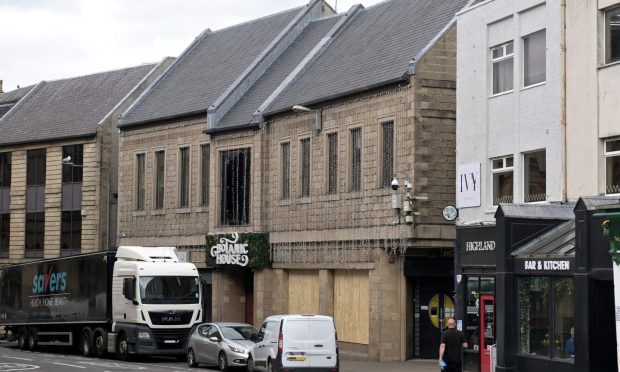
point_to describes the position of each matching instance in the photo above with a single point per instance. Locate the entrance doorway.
(436, 305)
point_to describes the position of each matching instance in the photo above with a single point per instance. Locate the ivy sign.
(245, 250)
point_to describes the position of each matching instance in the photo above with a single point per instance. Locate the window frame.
(247, 201)
(205, 167)
(523, 43)
(5, 234)
(331, 184)
(607, 36)
(305, 189)
(285, 170)
(140, 183)
(6, 159)
(607, 155)
(353, 185)
(505, 168)
(505, 56)
(385, 179)
(156, 180)
(184, 203)
(526, 176)
(73, 222)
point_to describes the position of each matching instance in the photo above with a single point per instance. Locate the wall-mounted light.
(318, 116)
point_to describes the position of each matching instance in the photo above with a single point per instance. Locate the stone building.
(214, 150)
(58, 167)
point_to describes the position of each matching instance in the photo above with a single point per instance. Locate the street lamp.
(407, 204)
(318, 117)
(67, 161)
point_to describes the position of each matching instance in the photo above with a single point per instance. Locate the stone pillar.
(53, 200)
(18, 206)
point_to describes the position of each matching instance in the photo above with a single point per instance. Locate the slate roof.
(68, 108)
(537, 211)
(207, 68)
(9, 99)
(559, 241)
(595, 202)
(374, 49)
(244, 109)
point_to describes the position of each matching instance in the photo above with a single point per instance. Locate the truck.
(132, 301)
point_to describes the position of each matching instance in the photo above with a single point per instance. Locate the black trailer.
(58, 301)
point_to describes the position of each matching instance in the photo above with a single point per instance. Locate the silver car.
(222, 344)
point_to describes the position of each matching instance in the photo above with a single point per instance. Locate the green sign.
(238, 249)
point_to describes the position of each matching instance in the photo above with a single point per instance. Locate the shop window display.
(475, 287)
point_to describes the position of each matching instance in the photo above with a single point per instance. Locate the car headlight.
(144, 335)
(236, 350)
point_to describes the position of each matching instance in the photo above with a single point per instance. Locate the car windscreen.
(169, 289)
(238, 332)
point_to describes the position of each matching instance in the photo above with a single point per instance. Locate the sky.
(55, 39)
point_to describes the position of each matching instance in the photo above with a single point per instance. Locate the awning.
(551, 253)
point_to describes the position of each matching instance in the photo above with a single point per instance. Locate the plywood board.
(303, 292)
(351, 306)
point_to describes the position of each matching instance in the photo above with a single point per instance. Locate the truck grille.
(171, 317)
(170, 338)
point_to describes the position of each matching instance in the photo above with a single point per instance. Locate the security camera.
(67, 159)
(395, 184)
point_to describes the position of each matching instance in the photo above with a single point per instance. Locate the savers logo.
(52, 282)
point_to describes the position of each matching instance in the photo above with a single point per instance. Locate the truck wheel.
(32, 339)
(122, 347)
(222, 362)
(86, 342)
(22, 337)
(100, 342)
(191, 358)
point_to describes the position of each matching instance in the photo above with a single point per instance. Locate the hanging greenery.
(257, 248)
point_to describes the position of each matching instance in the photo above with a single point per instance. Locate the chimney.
(1, 87)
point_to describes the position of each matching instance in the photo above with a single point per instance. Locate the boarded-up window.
(351, 306)
(303, 292)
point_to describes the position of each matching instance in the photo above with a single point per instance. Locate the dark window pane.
(535, 177)
(184, 177)
(5, 234)
(332, 158)
(534, 322)
(5, 169)
(35, 232)
(71, 232)
(612, 167)
(35, 168)
(73, 171)
(140, 184)
(236, 183)
(305, 167)
(388, 153)
(160, 177)
(503, 75)
(205, 159)
(612, 25)
(612, 146)
(356, 159)
(503, 187)
(564, 318)
(286, 170)
(534, 58)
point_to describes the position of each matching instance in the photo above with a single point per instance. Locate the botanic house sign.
(230, 252)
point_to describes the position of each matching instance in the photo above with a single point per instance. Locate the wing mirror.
(214, 339)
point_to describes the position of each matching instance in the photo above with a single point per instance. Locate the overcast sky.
(54, 39)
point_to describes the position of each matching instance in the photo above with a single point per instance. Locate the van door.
(296, 343)
(322, 337)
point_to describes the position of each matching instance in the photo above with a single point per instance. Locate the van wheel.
(269, 366)
(250, 366)
(100, 343)
(122, 347)
(86, 342)
(22, 338)
(191, 358)
(222, 362)
(32, 339)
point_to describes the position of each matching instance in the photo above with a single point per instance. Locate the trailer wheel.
(100, 342)
(31, 342)
(86, 342)
(122, 347)
(22, 337)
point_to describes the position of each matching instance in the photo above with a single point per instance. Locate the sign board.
(468, 185)
(230, 252)
(476, 245)
(548, 266)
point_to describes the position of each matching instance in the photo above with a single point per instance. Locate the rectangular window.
(285, 151)
(236, 183)
(534, 58)
(475, 287)
(35, 174)
(612, 166)
(387, 144)
(535, 166)
(612, 35)
(5, 234)
(5, 169)
(304, 148)
(332, 163)
(72, 169)
(70, 233)
(160, 178)
(356, 160)
(205, 164)
(546, 317)
(35, 234)
(140, 181)
(503, 64)
(184, 177)
(503, 181)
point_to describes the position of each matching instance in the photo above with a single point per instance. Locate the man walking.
(452, 342)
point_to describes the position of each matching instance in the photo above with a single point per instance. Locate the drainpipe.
(564, 124)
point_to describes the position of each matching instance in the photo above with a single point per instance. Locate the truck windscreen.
(169, 289)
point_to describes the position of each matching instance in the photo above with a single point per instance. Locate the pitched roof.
(69, 107)
(207, 68)
(375, 49)
(14, 95)
(537, 211)
(559, 241)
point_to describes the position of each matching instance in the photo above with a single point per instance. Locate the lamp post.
(407, 202)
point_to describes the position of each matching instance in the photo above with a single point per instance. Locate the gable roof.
(375, 49)
(9, 99)
(68, 108)
(207, 68)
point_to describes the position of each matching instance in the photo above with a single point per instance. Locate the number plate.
(296, 359)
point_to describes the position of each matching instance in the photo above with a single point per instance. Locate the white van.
(295, 343)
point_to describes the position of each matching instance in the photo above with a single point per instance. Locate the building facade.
(308, 194)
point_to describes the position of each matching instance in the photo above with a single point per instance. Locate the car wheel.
(85, 344)
(250, 365)
(269, 366)
(191, 358)
(122, 347)
(22, 338)
(222, 362)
